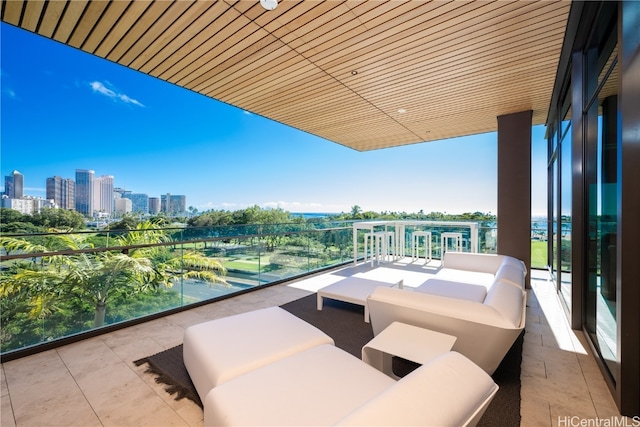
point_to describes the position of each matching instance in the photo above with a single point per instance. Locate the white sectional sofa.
(478, 298)
(268, 367)
(326, 386)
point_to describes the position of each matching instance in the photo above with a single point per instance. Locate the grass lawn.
(538, 254)
(245, 265)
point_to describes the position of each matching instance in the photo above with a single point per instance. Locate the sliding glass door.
(602, 207)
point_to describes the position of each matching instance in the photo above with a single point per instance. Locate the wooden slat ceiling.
(365, 74)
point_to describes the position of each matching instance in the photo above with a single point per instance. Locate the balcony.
(95, 382)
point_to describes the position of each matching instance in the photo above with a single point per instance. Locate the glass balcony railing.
(59, 285)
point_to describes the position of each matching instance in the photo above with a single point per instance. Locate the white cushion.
(508, 300)
(327, 386)
(318, 386)
(445, 288)
(441, 306)
(509, 260)
(222, 349)
(483, 263)
(511, 273)
(464, 276)
(448, 391)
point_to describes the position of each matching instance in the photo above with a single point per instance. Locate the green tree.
(171, 265)
(98, 277)
(8, 216)
(59, 218)
(127, 222)
(12, 221)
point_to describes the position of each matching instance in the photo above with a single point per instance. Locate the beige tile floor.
(95, 383)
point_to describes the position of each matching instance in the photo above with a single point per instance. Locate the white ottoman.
(222, 349)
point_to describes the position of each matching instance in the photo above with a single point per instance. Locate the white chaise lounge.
(219, 350)
(328, 386)
(478, 298)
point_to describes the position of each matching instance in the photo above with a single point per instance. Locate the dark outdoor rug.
(345, 324)
(169, 369)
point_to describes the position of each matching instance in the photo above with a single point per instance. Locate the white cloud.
(231, 206)
(101, 88)
(9, 92)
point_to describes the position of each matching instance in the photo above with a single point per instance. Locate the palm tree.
(100, 276)
(356, 212)
(170, 266)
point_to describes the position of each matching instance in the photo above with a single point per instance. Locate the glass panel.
(603, 186)
(554, 223)
(539, 190)
(565, 212)
(566, 114)
(550, 226)
(71, 284)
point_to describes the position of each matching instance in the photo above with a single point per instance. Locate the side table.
(416, 344)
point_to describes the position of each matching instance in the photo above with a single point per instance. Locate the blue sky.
(62, 110)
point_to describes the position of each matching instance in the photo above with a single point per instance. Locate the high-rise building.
(103, 195)
(139, 202)
(154, 205)
(84, 191)
(120, 192)
(173, 204)
(14, 185)
(62, 191)
(122, 205)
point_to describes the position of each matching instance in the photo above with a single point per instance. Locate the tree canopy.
(12, 221)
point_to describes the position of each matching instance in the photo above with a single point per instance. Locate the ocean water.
(307, 215)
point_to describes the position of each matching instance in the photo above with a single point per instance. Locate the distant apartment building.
(154, 205)
(14, 185)
(123, 205)
(139, 202)
(84, 191)
(173, 204)
(103, 195)
(27, 205)
(119, 192)
(62, 191)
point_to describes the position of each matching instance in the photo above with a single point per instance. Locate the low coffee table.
(410, 342)
(354, 290)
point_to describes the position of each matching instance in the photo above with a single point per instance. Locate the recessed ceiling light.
(354, 72)
(402, 110)
(269, 4)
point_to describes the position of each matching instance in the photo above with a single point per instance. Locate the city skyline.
(96, 195)
(61, 176)
(64, 110)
